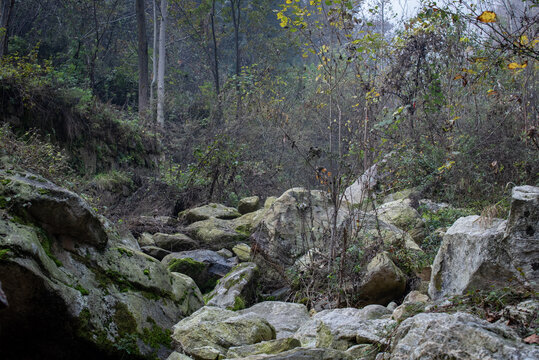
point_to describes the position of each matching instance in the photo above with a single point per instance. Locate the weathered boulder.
(58, 211)
(204, 266)
(477, 254)
(177, 356)
(216, 234)
(300, 353)
(237, 289)
(248, 204)
(266, 347)
(242, 251)
(225, 253)
(470, 257)
(285, 317)
(155, 252)
(383, 281)
(398, 195)
(153, 224)
(246, 224)
(206, 212)
(358, 191)
(522, 234)
(457, 336)
(99, 296)
(145, 239)
(174, 242)
(211, 331)
(342, 328)
(401, 214)
(414, 303)
(524, 313)
(297, 215)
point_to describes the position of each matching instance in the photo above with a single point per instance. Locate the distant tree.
(6, 9)
(142, 57)
(162, 65)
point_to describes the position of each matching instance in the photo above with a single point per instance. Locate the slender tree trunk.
(162, 64)
(6, 9)
(155, 56)
(215, 55)
(235, 6)
(142, 58)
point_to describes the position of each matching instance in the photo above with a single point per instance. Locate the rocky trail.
(218, 282)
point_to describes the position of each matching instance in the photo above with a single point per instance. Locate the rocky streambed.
(73, 285)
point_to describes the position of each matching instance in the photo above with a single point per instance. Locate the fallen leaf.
(532, 339)
(487, 17)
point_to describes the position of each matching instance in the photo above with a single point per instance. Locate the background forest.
(159, 105)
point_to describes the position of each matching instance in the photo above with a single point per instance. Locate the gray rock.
(383, 281)
(218, 265)
(155, 252)
(391, 306)
(153, 224)
(58, 211)
(211, 210)
(225, 253)
(358, 191)
(457, 336)
(476, 254)
(237, 289)
(97, 293)
(401, 214)
(285, 317)
(216, 234)
(145, 239)
(342, 328)
(522, 234)
(242, 251)
(177, 356)
(174, 242)
(304, 354)
(248, 204)
(266, 347)
(212, 330)
(470, 257)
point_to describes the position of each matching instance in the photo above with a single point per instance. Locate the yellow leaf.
(480, 59)
(487, 17)
(514, 65)
(458, 77)
(524, 40)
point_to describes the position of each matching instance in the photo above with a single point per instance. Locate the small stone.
(242, 251)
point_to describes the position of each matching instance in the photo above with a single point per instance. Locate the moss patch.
(239, 303)
(124, 320)
(156, 337)
(82, 290)
(187, 266)
(4, 254)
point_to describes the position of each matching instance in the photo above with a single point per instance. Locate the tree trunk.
(142, 58)
(235, 6)
(6, 8)
(162, 64)
(155, 56)
(215, 55)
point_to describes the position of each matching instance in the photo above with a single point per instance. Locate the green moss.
(82, 290)
(147, 273)
(124, 320)
(156, 337)
(3, 202)
(244, 230)
(4, 254)
(43, 191)
(239, 303)
(187, 266)
(150, 295)
(123, 251)
(46, 242)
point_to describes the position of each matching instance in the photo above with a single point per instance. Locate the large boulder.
(471, 256)
(462, 336)
(479, 254)
(58, 211)
(216, 234)
(300, 353)
(341, 329)
(99, 296)
(401, 214)
(237, 289)
(174, 242)
(383, 281)
(285, 317)
(522, 234)
(297, 215)
(204, 266)
(265, 347)
(211, 210)
(248, 204)
(153, 224)
(211, 331)
(358, 192)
